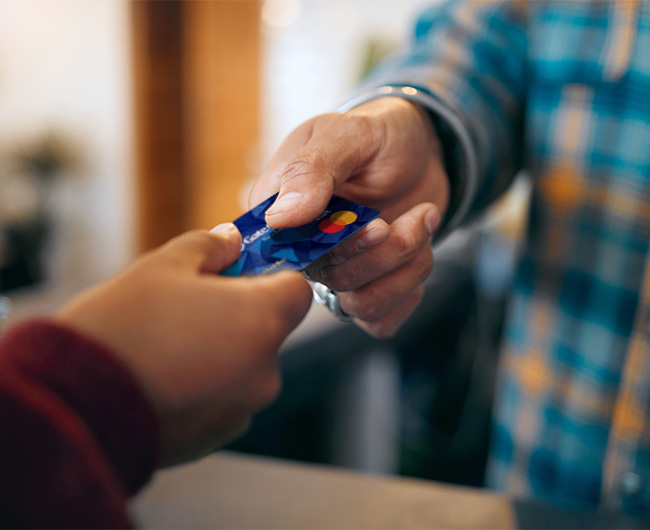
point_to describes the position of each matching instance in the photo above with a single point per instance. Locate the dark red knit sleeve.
(77, 435)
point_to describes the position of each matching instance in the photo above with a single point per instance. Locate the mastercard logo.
(337, 221)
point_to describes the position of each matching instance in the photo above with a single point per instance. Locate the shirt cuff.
(459, 154)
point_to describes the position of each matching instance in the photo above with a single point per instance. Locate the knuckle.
(321, 273)
(370, 310)
(341, 280)
(336, 278)
(317, 273)
(326, 260)
(407, 244)
(424, 266)
(307, 166)
(299, 167)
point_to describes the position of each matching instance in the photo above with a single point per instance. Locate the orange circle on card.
(344, 217)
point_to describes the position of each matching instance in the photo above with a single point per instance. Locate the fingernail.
(286, 202)
(223, 227)
(372, 238)
(432, 219)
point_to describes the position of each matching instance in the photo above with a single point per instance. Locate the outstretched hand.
(203, 346)
(383, 154)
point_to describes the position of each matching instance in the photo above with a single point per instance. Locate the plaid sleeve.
(466, 63)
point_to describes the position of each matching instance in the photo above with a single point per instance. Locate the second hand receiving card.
(266, 250)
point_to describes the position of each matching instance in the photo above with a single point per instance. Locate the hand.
(383, 154)
(203, 346)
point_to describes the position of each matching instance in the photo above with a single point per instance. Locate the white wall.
(312, 55)
(65, 65)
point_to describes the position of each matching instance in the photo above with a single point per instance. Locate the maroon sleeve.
(77, 435)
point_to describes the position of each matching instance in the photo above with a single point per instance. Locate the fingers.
(204, 251)
(377, 299)
(334, 147)
(410, 234)
(382, 286)
(388, 325)
(226, 252)
(371, 235)
(281, 300)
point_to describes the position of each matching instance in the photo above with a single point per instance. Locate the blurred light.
(410, 91)
(340, 16)
(280, 14)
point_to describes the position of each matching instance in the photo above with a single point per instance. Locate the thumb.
(204, 251)
(334, 147)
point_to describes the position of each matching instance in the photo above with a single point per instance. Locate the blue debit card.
(266, 250)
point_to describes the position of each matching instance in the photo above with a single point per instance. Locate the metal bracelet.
(328, 298)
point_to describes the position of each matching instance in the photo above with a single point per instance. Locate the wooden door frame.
(196, 71)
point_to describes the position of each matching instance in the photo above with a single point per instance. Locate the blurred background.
(124, 123)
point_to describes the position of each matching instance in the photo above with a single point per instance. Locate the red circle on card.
(331, 227)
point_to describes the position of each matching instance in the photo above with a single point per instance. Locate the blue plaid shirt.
(562, 90)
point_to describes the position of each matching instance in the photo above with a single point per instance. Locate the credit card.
(265, 250)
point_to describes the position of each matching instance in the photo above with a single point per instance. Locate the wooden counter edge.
(228, 490)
